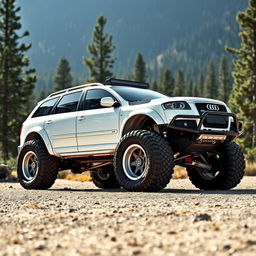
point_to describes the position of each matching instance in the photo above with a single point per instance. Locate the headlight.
(176, 105)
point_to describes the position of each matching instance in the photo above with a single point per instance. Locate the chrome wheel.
(30, 166)
(135, 162)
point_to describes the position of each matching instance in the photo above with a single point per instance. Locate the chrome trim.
(106, 132)
(89, 153)
(63, 136)
(63, 150)
(214, 107)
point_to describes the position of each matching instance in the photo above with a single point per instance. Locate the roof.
(74, 88)
(111, 81)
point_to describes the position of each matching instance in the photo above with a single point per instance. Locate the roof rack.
(121, 82)
(74, 88)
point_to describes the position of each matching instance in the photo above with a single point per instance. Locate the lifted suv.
(129, 136)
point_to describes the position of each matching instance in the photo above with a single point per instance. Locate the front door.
(97, 126)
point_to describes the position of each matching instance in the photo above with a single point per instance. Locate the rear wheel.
(227, 169)
(143, 161)
(37, 169)
(105, 178)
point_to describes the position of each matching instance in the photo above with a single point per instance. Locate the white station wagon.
(129, 136)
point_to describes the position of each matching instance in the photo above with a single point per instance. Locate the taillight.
(21, 128)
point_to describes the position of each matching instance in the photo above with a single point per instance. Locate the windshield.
(137, 96)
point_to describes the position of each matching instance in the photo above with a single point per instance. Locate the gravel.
(75, 218)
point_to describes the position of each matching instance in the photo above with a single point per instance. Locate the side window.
(68, 103)
(46, 108)
(93, 97)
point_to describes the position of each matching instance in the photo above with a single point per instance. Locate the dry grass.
(78, 177)
(179, 173)
(250, 169)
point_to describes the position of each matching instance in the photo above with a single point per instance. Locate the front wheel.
(228, 167)
(143, 161)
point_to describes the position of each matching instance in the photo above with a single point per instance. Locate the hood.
(187, 99)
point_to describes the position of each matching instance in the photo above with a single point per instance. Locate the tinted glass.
(93, 98)
(137, 96)
(45, 108)
(68, 103)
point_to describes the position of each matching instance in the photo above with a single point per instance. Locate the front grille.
(202, 107)
(214, 121)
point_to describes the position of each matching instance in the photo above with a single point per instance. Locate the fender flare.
(42, 133)
(145, 112)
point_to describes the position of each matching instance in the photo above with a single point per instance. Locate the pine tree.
(139, 71)
(243, 97)
(155, 86)
(210, 86)
(179, 85)
(224, 82)
(195, 91)
(190, 89)
(166, 82)
(17, 80)
(100, 62)
(41, 96)
(200, 85)
(63, 78)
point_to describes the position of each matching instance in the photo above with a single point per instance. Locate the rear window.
(137, 96)
(45, 108)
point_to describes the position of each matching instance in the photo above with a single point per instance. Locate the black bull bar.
(237, 126)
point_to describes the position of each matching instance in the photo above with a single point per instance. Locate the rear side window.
(46, 108)
(68, 103)
(93, 98)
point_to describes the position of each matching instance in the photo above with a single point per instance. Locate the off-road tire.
(158, 154)
(110, 182)
(231, 173)
(48, 166)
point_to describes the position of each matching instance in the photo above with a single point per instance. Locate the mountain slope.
(177, 33)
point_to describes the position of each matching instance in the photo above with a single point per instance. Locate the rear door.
(61, 124)
(97, 126)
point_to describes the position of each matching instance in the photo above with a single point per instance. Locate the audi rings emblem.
(213, 107)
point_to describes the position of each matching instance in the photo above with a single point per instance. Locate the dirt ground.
(75, 218)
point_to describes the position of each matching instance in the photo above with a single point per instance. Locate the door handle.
(48, 122)
(81, 118)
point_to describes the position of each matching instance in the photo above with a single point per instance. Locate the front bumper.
(235, 127)
(198, 138)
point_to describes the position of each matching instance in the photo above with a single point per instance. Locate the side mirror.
(107, 102)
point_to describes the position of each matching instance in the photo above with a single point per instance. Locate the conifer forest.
(203, 48)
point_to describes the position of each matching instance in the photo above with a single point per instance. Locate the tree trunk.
(5, 99)
(254, 92)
